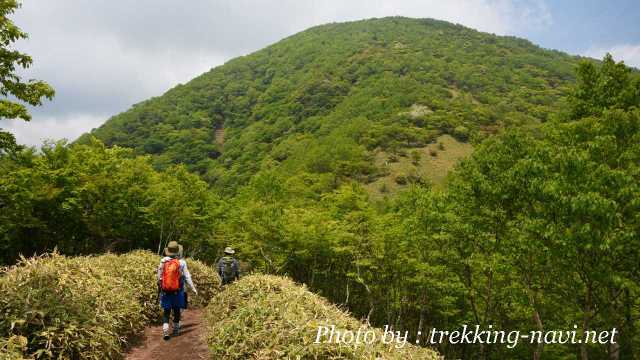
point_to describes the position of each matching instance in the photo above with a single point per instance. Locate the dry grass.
(11, 348)
(417, 111)
(82, 307)
(270, 317)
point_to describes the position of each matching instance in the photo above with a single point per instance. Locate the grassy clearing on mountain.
(270, 317)
(83, 307)
(431, 163)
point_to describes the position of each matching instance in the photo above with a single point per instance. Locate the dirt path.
(188, 345)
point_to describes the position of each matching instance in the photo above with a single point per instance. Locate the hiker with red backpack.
(172, 276)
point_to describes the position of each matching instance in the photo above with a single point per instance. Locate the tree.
(559, 212)
(12, 85)
(84, 199)
(609, 86)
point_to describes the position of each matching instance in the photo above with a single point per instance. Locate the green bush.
(83, 307)
(270, 317)
(416, 156)
(461, 133)
(401, 179)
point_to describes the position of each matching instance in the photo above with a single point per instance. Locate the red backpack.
(171, 275)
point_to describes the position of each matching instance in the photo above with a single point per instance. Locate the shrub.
(415, 179)
(461, 133)
(416, 156)
(433, 152)
(401, 179)
(270, 317)
(83, 307)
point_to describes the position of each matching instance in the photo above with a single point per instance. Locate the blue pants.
(173, 300)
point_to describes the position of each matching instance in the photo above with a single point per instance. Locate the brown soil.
(219, 136)
(190, 344)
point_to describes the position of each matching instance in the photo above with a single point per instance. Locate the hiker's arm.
(219, 267)
(187, 278)
(159, 273)
(236, 264)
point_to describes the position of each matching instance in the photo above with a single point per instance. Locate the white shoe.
(165, 331)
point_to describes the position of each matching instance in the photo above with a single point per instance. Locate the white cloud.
(68, 127)
(628, 53)
(503, 17)
(103, 56)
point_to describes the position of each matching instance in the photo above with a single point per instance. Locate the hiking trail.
(190, 344)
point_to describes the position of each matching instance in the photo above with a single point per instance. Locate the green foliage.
(461, 133)
(84, 307)
(401, 179)
(553, 222)
(608, 86)
(322, 100)
(13, 87)
(87, 198)
(536, 230)
(270, 317)
(416, 156)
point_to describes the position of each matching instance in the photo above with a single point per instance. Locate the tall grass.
(83, 307)
(270, 317)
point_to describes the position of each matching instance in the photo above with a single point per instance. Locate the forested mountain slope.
(324, 99)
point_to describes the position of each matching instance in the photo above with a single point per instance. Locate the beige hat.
(229, 250)
(173, 249)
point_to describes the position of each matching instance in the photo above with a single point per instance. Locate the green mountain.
(346, 99)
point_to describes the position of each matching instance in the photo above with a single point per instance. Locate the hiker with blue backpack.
(172, 276)
(228, 267)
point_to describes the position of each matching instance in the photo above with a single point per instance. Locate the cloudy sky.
(102, 56)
